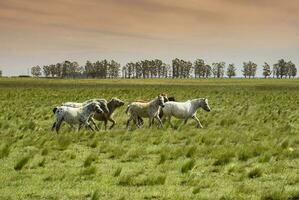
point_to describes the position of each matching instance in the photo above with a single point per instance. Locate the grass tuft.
(91, 158)
(162, 159)
(255, 173)
(196, 190)
(88, 171)
(134, 153)
(294, 195)
(155, 180)
(187, 166)
(63, 142)
(4, 151)
(117, 172)
(223, 160)
(95, 195)
(244, 154)
(191, 151)
(93, 143)
(44, 152)
(273, 195)
(21, 163)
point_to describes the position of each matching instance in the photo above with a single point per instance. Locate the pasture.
(248, 148)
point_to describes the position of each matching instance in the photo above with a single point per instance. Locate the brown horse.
(166, 99)
(148, 109)
(105, 117)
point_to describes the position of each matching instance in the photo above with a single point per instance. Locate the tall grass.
(248, 148)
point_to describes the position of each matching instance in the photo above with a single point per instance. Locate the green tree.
(199, 68)
(266, 70)
(90, 69)
(66, 69)
(52, 69)
(292, 70)
(129, 70)
(36, 71)
(58, 70)
(231, 70)
(218, 69)
(208, 71)
(46, 70)
(113, 69)
(280, 68)
(249, 69)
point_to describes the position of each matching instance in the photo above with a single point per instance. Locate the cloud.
(130, 28)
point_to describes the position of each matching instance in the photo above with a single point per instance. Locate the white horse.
(145, 109)
(73, 116)
(185, 110)
(102, 103)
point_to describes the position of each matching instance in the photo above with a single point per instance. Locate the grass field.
(248, 148)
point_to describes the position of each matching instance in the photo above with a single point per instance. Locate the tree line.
(158, 69)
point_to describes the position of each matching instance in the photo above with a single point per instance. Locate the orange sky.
(35, 32)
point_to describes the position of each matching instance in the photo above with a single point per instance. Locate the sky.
(34, 32)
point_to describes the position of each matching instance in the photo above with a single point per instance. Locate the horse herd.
(160, 108)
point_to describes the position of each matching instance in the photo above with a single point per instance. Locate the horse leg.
(53, 127)
(150, 120)
(169, 121)
(185, 121)
(198, 122)
(160, 121)
(113, 122)
(105, 124)
(135, 119)
(79, 127)
(128, 121)
(94, 123)
(57, 125)
(140, 121)
(89, 126)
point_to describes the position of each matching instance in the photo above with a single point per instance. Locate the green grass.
(248, 148)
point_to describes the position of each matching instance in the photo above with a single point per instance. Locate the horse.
(102, 103)
(112, 105)
(185, 110)
(72, 116)
(166, 99)
(145, 109)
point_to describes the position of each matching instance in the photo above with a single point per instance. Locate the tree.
(199, 68)
(52, 69)
(181, 68)
(90, 69)
(218, 69)
(208, 71)
(175, 68)
(66, 66)
(113, 69)
(266, 70)
(46, 70)
(275, 71)
(280, 69)
(129, 70)
(231, 70)
(0, 73)
(36, 71)
(292, 70)
(58, 70)
(249, 69)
